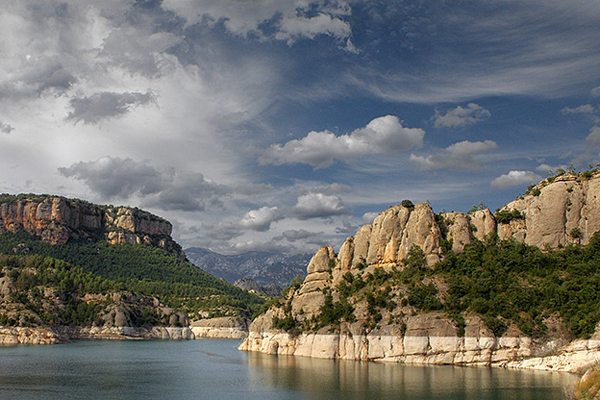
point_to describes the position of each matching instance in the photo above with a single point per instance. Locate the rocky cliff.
(380, 324)
(56, 220)
(555, 213)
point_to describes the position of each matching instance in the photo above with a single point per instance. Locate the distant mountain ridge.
(250, 285)
(262, 267)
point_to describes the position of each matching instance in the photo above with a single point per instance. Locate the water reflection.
(368, 380)
(215, 369)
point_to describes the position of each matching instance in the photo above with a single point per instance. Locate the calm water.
(215, 369)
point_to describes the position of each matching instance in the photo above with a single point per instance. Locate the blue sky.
(285, 125)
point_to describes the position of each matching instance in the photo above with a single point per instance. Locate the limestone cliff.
(380, 324)
(555, 213)
(56, 220)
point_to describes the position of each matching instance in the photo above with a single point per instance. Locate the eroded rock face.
(426, 339)
(56, 220)
(555, 214)
(220, 328)
(391, 236)
(565, 211)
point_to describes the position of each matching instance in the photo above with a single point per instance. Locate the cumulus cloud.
(116, 178)
(103, 105)
(461, 117)
(461, 155)
(593, 139)
(260, 220)
(6, 128)
(369, 217)
(383, 135)
(318, 205)
(596, 91)
(516, 178)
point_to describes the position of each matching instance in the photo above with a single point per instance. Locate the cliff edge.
(56, 220)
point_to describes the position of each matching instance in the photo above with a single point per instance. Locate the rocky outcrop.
(553, 214)
(388, 345)
(220, 328)
(127, 333)
(423, 339)
(557, 212)
(391, 236)
(20, 335)
(56, 220)
(39, 335)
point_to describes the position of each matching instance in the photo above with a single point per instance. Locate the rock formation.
(555, 213)
(220, 328)
(56, 220)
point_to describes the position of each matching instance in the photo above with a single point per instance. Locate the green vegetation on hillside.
(147, 270)
(510, 282)
(504, 282)
(50, 292)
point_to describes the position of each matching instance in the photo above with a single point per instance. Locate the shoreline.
(575, 357)
(14, 336)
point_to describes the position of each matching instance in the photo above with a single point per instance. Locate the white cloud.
(546, 168)
(369, 217)
(516, 178)
(461, 155)
(461, 117)
(593, 139)
(583, 109)
(260, 220)
(288, 19)
(318, 205)
(383, 135)
(323, 24)
(596, 91)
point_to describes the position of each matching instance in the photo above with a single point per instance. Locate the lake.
(215, 369)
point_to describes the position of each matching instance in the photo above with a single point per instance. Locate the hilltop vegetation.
(506, 283)
(42, 291)
(143, 269)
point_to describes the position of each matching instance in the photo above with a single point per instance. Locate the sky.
(285, 125)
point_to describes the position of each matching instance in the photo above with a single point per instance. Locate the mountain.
(517, 288)
(250, 285)
(58, 220)
(262, 267)
(72, 264)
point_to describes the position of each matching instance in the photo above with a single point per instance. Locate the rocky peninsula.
(390, 293)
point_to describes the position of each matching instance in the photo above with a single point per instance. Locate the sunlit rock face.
(555, 213)
(56, 220)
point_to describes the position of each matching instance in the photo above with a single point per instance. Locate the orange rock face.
(56, 220)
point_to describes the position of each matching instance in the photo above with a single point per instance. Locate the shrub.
(408, 204)
(505, 216)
